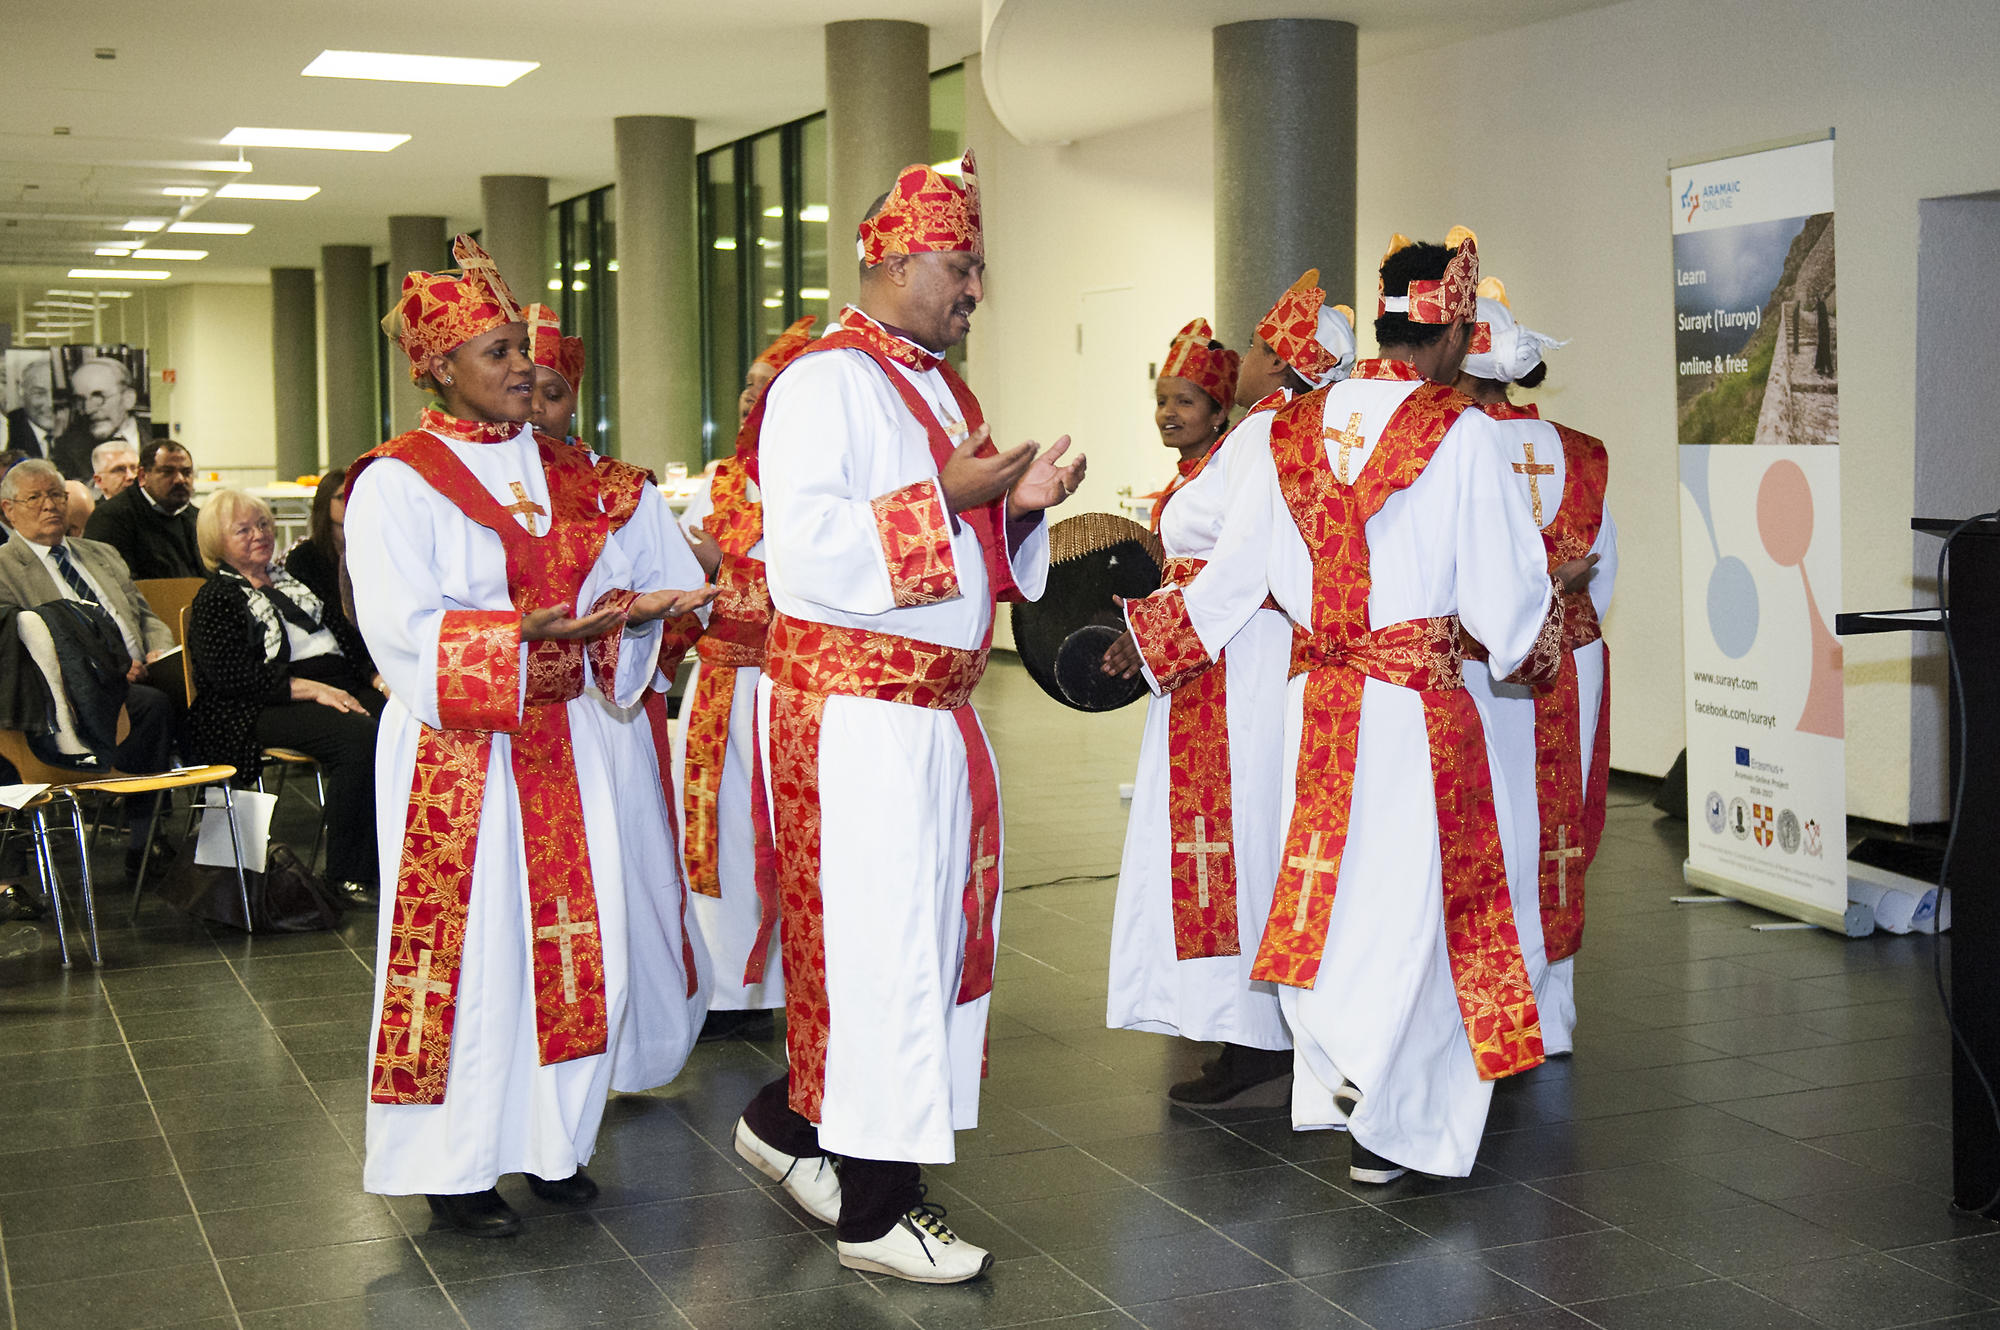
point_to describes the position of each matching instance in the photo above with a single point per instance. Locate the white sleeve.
(1605, 575)
(1502, 585)
(392, 559)
(700, 506)
(1231, 589)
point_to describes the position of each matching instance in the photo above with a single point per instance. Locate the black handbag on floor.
(287, 897)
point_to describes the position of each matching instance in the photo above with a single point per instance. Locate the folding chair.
(63, 784)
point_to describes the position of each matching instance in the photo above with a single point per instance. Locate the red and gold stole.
(1338, 655)
(479, 663)
(1201, 825)
(808, 663)
(739, 619)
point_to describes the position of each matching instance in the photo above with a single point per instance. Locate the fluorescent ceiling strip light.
(107, 252)
(389, 67)
(281, 193)
(210, 229)
(334, 139)
(813, 212)
(123, 274)
(95, 295)
(171, 255)
(186, 191)
(145, 224)
(223, 165)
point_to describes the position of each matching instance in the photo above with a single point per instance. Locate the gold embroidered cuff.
(1166, 638)
(916, 545)
(479, 670)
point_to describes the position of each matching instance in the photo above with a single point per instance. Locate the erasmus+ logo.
(1722, 194)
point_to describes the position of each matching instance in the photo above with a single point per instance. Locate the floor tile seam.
(1891, 1254)
(7, 1279)
(201, 1227)
(680, 1311)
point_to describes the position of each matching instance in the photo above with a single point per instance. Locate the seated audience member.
(273, 669)
(113, 466)
(320, 560)
(38, 565)
(152, 523)
(82, 503)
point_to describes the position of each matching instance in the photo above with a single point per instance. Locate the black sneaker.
(1232, 1076)
(1364, 1165)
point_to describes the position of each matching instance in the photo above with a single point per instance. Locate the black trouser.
(154, 718)
(344, 746)
(874, 1193)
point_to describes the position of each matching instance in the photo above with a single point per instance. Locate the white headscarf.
(1515, 350)
(1336, 333)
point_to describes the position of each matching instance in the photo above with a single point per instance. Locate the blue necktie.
(71, 575)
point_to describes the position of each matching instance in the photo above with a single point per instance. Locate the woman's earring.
(447, 382)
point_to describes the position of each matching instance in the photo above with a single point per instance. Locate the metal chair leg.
(319, 837)
(83, 863)
(236, 843)
(146, 856)
(51, 881)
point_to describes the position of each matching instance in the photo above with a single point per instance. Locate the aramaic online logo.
(1691, 199)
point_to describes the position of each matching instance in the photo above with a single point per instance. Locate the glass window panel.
(769, 311)
(721, 299)
(600, 373)
(812, 229)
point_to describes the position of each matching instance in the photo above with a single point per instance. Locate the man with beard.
(152, 523)
(891, 526)
(106, 409)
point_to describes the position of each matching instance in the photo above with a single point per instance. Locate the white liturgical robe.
(1459, 539)
(1207, 997)
(903, 1057)
(414, 556)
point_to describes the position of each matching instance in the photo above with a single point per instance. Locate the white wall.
(1552, 142)
(217, 340)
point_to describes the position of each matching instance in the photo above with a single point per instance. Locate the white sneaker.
(808, 1179)
(921, 1249)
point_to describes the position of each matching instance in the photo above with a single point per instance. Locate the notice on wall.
(1756, 360)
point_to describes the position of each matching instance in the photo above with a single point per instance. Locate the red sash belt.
(808, 663)
(1200, 824)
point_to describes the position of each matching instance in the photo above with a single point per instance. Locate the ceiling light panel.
(390, 67)
(281, 193)
(186, 191)
(148, 225)
(123, 274)
(210, 229)
(171, 255)
(333, 139)
(239, 166)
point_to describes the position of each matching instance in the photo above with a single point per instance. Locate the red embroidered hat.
(790, 343)
(1452, 298)
(551, 350)
(1294, 326)
(439, 312)
(1210, 368)
(926, 213)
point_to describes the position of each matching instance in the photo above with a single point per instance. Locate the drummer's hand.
(1576, 574)
(668, 604)
(556, 624)
(1122, 658)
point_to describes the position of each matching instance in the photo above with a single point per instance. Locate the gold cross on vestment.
(564, 934)
(1313, 866)
(982, 863)
(955, 431)
(1561, 855)
(420, 985)
(1201, 847)
(524, 507)
(1531, 469)
(1349, 439)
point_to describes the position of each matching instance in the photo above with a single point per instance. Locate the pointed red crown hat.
(552, 350)
(1210, 368)
(439, 312)
(926, 213)
(1452, 298)
(790, 343)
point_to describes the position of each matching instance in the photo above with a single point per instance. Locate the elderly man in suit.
(39, 564)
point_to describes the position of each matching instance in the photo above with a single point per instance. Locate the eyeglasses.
(41, 499)
(249, 529)
(92, 401)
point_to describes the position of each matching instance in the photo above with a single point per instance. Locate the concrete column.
(295, 371)
(878, 121)
(415, 243)
(1284, 165)
(659, 292)
(515, 231)
(347, 285)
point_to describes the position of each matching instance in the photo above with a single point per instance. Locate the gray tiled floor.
(1753, 1132)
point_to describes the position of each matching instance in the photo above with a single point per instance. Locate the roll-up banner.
(1756, 355)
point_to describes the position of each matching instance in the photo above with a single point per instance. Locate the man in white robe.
(890, 527)
(530, 910)
(1381, 518)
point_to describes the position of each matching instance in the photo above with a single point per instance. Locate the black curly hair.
(1419, 262)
